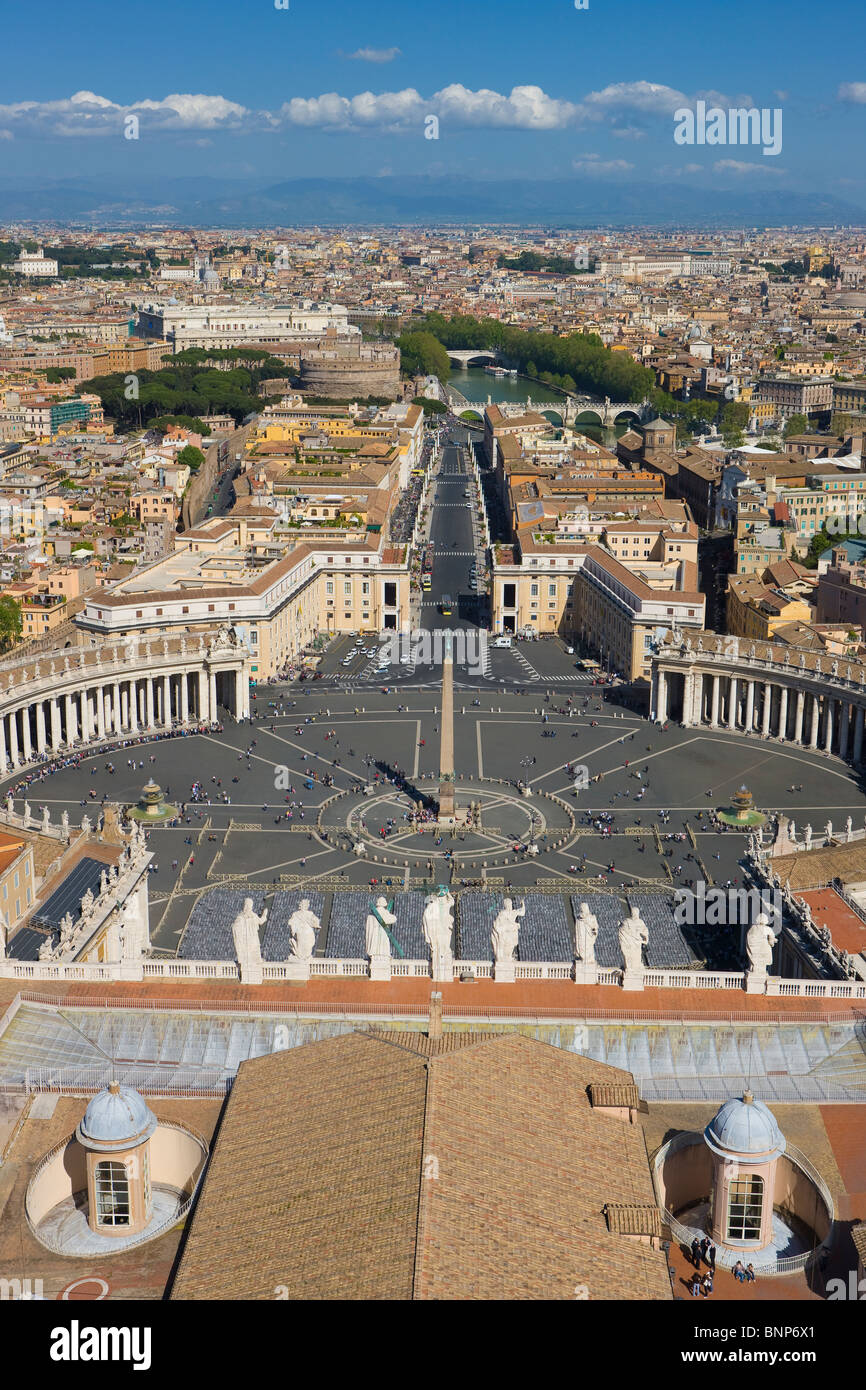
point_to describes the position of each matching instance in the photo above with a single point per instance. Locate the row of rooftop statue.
(438, 928)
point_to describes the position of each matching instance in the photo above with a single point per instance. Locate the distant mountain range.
(574, 202)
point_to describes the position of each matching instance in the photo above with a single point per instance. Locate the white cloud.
(526, 108)
(374, 55)
(592, 164)
(625, 106)
(743, 170)
(650, 97)
(86, 113)
(852, 91)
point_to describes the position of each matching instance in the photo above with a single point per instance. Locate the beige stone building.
(233, 572)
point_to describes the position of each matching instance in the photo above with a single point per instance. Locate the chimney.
(434, 1029)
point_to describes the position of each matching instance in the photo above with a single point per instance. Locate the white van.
(502, 642)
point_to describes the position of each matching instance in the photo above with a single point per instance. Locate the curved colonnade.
(732, 683)
(60, 702)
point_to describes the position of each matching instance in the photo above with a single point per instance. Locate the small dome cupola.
(117, 1118)
(745, 1128)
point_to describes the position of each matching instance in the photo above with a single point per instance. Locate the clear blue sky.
(542, 89)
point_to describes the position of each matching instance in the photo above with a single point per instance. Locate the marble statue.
(46, 950)
(103, 883)
(10, 804)
(828, 830)
(245, 933)
(67, 927)
(437, 924)
(585, 934)
(46, 819)
(506, 928)
(760, 940)
(834, 669)
(792, 830)
(85, 825)
(26, 812)
(376, 939)
(849, 827)
(808, 836)
(64, 824)
(87, 903)
(633, 936)
(304, 926)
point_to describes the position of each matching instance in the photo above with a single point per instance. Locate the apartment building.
(588, 595)
(756, 609)
(230, 571)
(233, 325)
(17, 879)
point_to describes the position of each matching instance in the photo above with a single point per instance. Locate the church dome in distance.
(745, 1127)
(117, 1117)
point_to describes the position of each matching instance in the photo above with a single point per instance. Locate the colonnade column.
(184, 697)
(166, 701)
(100, 712)
(732, 703)
(40, 727)
(714, 711)
(750, 706)
(203, 707)
(798, 717)
(133, 705)
(118, 713)
(816, 715)
(828, 728)
(844, 726)
(71, 720)
(768, 704)
(783, 711)
(212, 693)
(13, 737)
(25, 734)
(148, 692)
(56, 729)
(858, 733)
(4, 765)
(661, 705)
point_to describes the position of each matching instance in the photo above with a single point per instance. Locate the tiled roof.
(460, 1167)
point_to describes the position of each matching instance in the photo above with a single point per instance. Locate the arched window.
(745, 1203)
(111, 1182)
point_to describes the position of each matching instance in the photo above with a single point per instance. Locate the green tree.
(10, 622)
(422, 354)
(192, 457)
(795, 424)
(734, 417)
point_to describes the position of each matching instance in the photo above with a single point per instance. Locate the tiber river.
(476, 385)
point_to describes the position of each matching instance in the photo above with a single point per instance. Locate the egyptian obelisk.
(446, 737)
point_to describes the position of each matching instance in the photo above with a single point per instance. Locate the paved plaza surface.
(261, 835)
